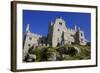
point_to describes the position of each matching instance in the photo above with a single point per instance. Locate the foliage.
(66, 52)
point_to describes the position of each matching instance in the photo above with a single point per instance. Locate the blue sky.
(39, 21)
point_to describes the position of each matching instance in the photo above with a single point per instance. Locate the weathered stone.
(78, 49)
(32, 56)
(52, 57)
(58, 34)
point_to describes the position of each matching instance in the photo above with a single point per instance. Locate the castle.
(58, 34)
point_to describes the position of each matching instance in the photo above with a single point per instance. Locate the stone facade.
(58, 34)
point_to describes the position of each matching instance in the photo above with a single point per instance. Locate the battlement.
(58, 33)
(34, 35)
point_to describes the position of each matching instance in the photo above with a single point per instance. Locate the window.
(58, 29)
(81, 40)
(60, 23)
(81, 34)
(29, 45)
(30, 38)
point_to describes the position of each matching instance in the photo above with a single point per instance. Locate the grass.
(42, 54)
(85, 53)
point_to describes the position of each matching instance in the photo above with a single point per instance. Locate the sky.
(39, 21)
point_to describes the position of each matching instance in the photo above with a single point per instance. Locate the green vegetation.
(66, 52)
(85, 53)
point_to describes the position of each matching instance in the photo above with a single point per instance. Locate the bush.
(50, 52)
(68, 51)
(71, 51)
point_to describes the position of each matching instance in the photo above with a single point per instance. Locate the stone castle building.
(58, 34)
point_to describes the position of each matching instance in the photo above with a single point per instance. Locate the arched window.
(58, 29)
(30, 38)
(60, 23)
(81, 34)
(29, 45)
(81, 40)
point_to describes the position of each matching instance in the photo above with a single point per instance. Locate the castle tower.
(56, 31)
(25, 47)
(79, 37)
(30, 40)
(50, 32)
(78, 28)
(75, 28)
(28, 28)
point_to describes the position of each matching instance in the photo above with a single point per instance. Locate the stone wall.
(58, 34)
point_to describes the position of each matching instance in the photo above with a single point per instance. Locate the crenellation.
(58, 33)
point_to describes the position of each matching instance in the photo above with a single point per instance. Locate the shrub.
(71, 51)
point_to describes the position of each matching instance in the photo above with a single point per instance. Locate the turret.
(28, 28)
(51, 23)
(78, 28)
(75, 28)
